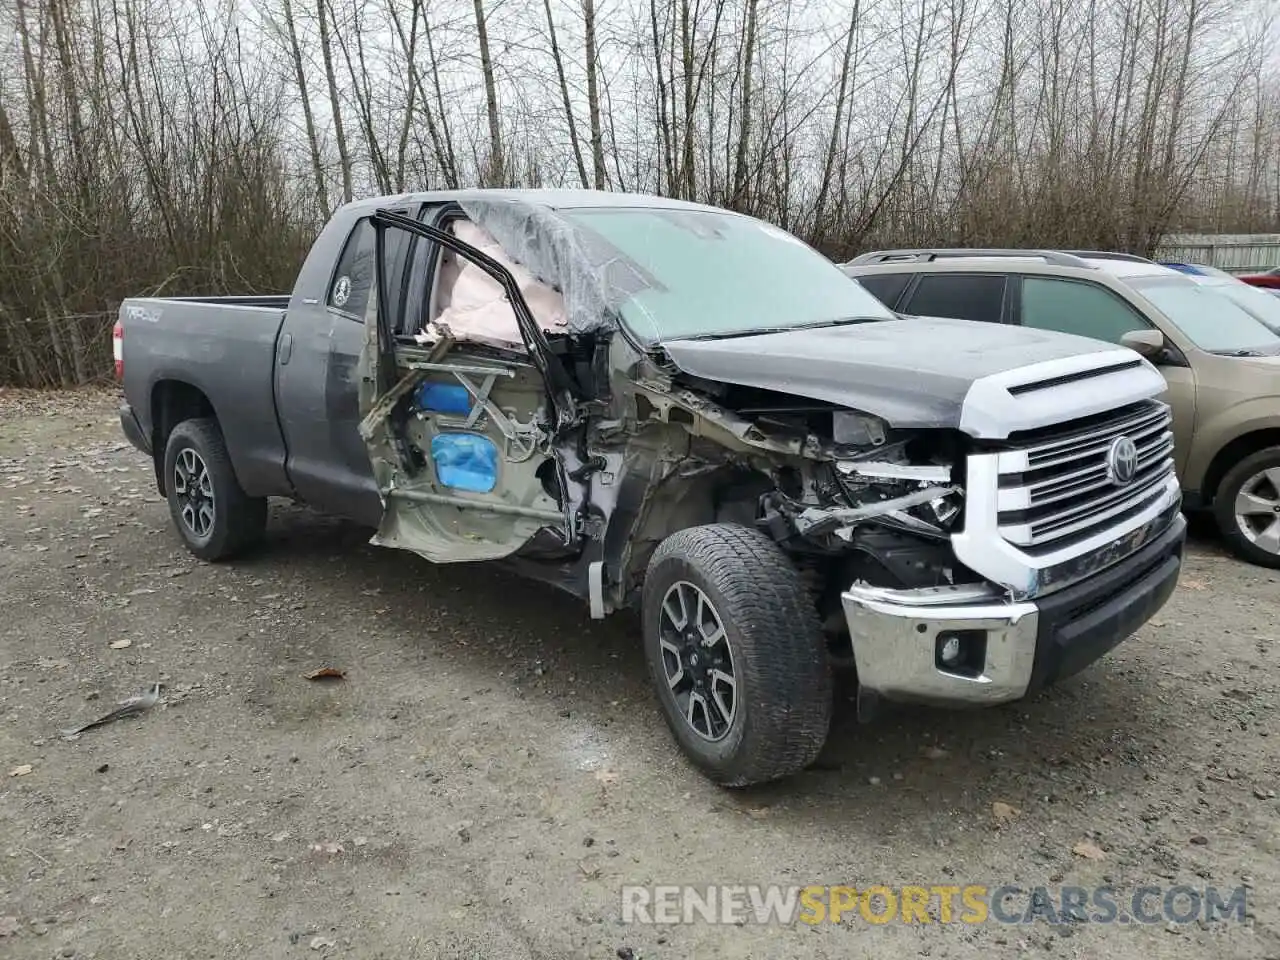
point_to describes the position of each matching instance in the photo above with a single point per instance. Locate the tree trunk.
(442, 158)
(593, 94)
(78, 366)
(63, 379)
(313, 142)
(358, 73)
(10, 157)
(828, 165)
(686, 59)
(335, 104)
(497, 165)
(744, 121)
(410, 53)
(564, 97)
(664, 119)
(37, 106)
(71, 98)
(450, 158)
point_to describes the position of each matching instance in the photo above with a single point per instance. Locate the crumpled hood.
(913, 372)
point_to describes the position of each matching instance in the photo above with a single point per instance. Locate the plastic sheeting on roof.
(594, 278)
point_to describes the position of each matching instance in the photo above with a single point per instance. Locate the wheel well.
(718, 496)
(173, 401)
(1233, 453)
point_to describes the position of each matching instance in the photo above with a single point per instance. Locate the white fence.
(1233, 252)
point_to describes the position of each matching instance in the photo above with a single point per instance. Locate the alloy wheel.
(1257, 509)
(193, 488)
(698, 661)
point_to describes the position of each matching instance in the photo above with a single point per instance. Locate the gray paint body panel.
(225, 349)
(315, 391)
(912, 373)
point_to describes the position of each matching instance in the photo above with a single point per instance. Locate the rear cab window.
(352, 283)
(964, 296)
(351, 288)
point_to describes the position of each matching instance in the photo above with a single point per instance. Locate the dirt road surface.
(493, 769)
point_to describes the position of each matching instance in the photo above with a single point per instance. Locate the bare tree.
(496, 160)
(593, 94)
(564, 95)
(335, 103)
(156, 148)
(744, 123)
(300, 77)
(837, 124)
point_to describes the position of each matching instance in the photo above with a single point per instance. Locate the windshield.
(1210, 320)
(1257, 302)
(720, 274)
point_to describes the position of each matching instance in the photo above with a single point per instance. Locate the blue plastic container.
(443, 398)
(465, 461)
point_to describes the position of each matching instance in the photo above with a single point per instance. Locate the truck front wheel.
(736, 653)
(214, 516)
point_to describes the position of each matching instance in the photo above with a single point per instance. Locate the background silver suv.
(1221, 364)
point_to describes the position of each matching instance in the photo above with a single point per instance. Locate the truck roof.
(549, 199)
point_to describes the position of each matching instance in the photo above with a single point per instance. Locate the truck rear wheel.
(736, 654)
(214, 516)
(1247, 508)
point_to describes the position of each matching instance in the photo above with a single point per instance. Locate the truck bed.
(225, 347)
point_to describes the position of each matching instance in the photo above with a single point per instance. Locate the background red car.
(1270, 278)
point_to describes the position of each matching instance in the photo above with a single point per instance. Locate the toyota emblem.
(1122, 461)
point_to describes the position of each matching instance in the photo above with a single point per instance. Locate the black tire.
(1224, 506)
(238, 521)
(782, 680)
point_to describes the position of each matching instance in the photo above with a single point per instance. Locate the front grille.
(1054, 486)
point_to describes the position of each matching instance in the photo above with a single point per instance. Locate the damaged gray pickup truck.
(670, 407)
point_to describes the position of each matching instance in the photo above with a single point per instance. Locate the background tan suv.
(1221, 364)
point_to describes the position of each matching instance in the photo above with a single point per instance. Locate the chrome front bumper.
(896, 635)
(1011, 648)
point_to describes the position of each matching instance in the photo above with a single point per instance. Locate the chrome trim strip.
(1142, 422)
(887, 470)
(1032, 512)
(1023, 461)
(1066, 522)
(1092, 477)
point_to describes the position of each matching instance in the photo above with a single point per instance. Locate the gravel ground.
(493, 767)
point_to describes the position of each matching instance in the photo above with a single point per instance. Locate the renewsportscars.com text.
(938, 903)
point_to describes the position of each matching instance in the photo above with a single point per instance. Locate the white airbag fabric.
(474, 306)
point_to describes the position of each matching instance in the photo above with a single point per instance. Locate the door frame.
(421, 514)
(555, 377)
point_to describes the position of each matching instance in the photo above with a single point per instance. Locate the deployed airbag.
(474, 306)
